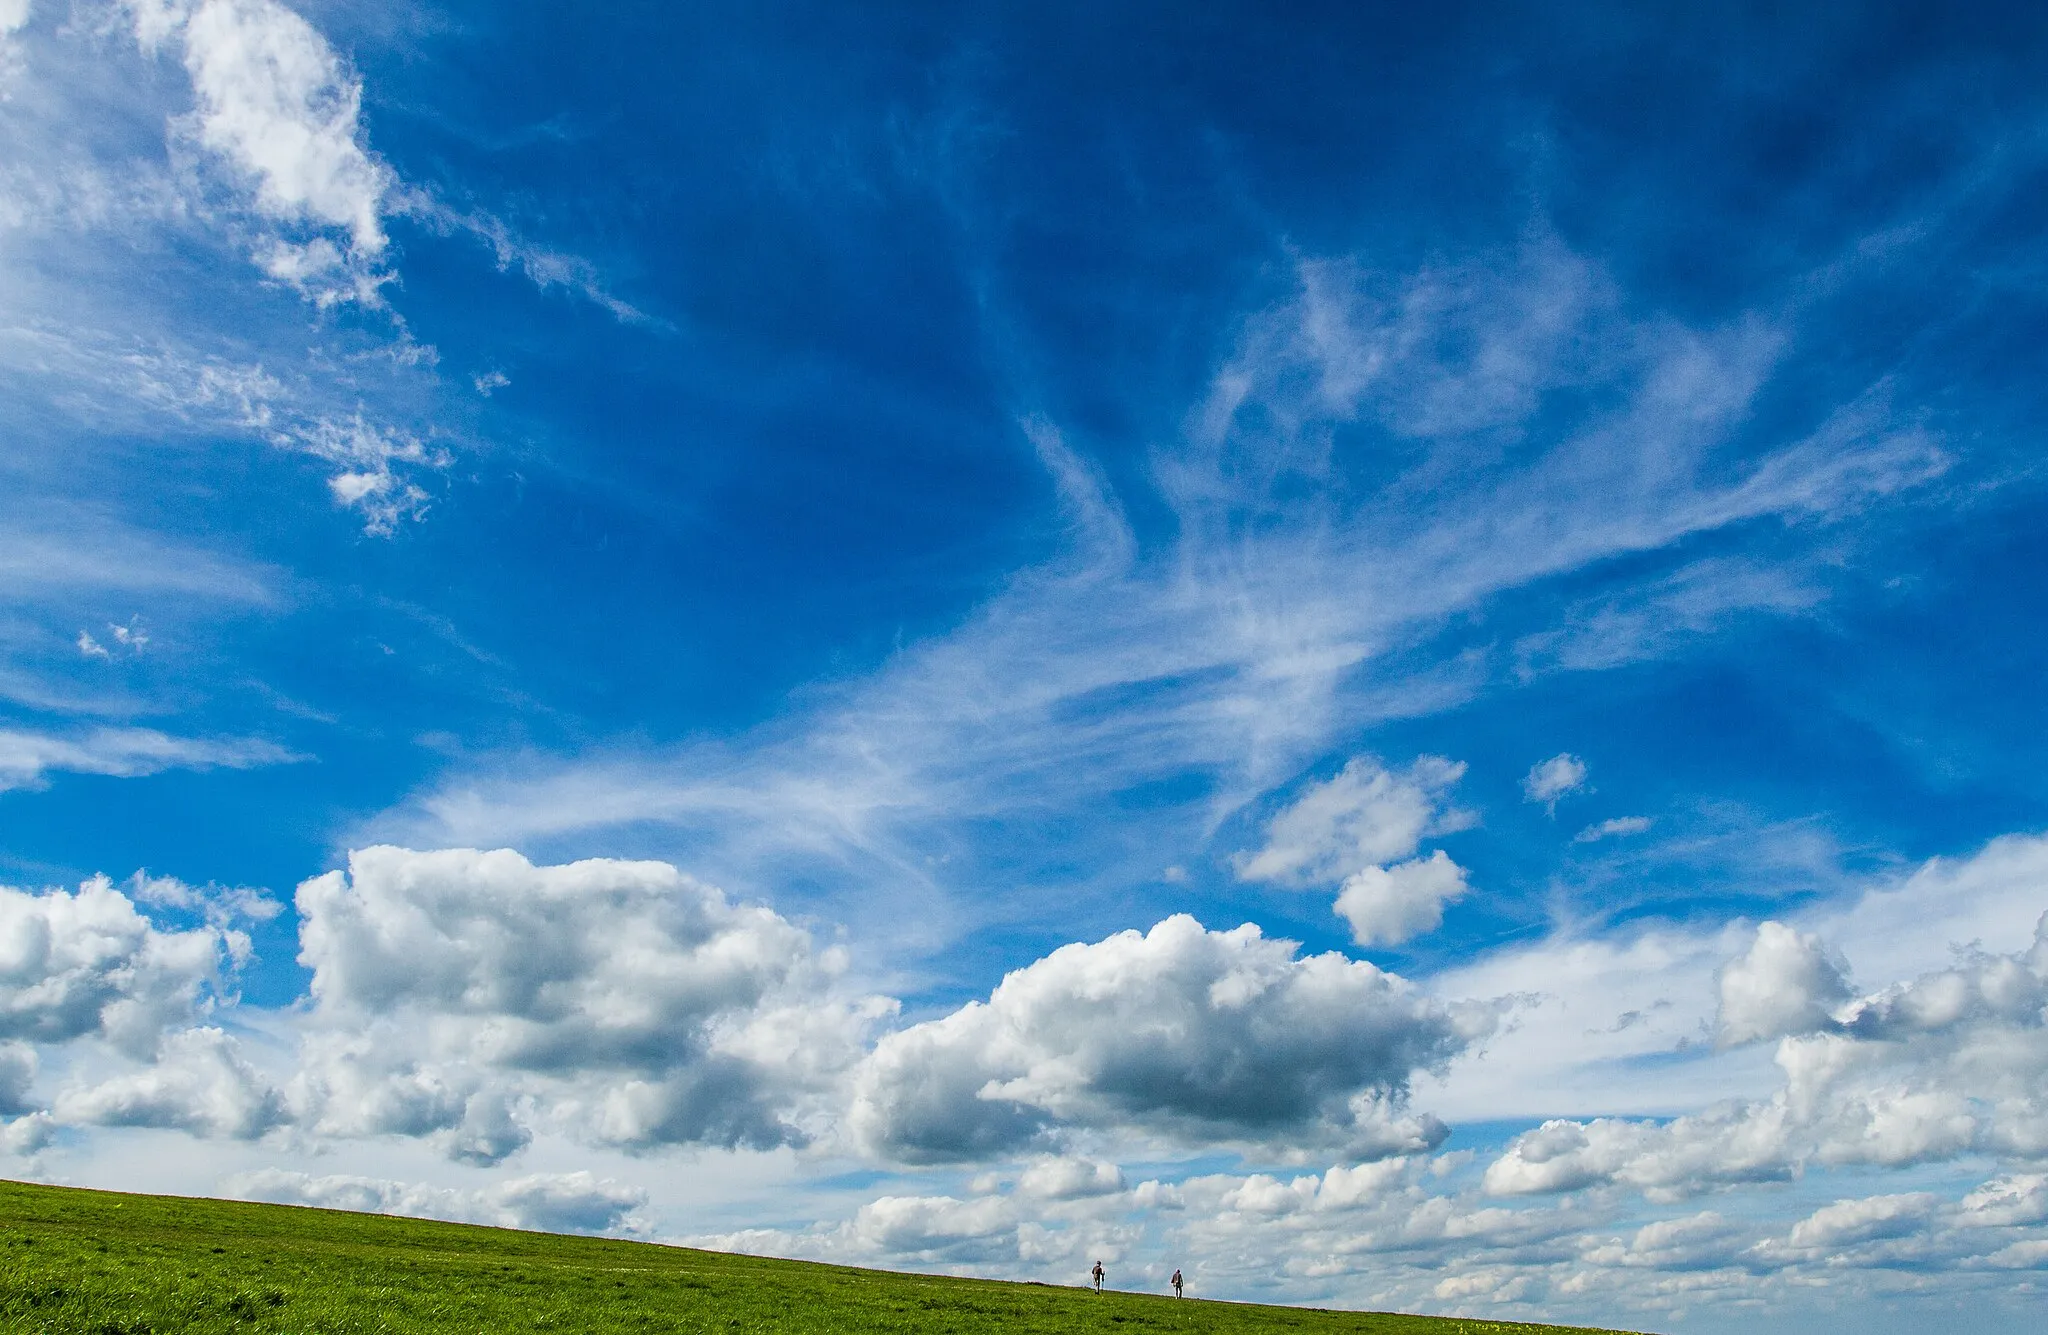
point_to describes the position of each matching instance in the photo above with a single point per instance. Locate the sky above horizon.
(1379, 653)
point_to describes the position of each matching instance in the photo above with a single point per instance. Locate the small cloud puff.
(1551, 780)
(1389, 905)
(1365, 816)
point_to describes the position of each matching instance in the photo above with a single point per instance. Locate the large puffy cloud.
(1366, 815)
(1785, 984)
(1193, 1035)
(555, 1202)
(88, 963)
(466, 995)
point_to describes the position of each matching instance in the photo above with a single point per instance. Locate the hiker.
(1176, 1284)
(1097, 1272)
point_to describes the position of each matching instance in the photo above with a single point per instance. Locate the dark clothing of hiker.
(1176, 1284)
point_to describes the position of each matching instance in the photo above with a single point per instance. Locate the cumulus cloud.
(1844, 1222)
(1389, 905)
(30, 1134)
(1666, 1161)
(1191, 1035)
(1946, 1065)
(1059, 1179)
(27, 758)
(88, 964)
(1367, 814)
(199, 1083)
(552, 1202)
(462, 995)
(1785, 984)
(1549, 781)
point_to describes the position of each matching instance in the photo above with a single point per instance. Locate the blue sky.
(1386, 655)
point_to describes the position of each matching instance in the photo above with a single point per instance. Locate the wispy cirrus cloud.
(1232, 652)
(28, 757)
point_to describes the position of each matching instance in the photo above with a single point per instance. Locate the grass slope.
(111, 1264)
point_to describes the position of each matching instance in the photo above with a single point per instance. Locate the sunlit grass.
(108, 1264)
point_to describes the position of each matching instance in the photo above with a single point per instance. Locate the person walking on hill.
(1097, 1273)
(1176, 1284)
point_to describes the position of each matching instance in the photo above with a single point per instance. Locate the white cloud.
(461, 995)
(1618, 827)
(1195, 1036)
(1785, 984)
(1947, 1065)
(277, 106)
(86, 963)
(1832, 1226)
(27, 758)
(1597, 1008)
(927, 1224)
(577, 1202)
(1267, 630)
(218, 905)
(13, 15)
(152, 384)
(1058, 1179)
(199, 1083)
(1366, 814)
(543, 267)
(1550, 780)
(1651, 622)
(29, 1135)
(1666, 1161)
(2021, 1198)
(1394, 904)
(370, 457)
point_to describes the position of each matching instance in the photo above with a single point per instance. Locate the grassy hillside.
(108, 1264)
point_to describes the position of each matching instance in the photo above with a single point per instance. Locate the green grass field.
(109, 1264)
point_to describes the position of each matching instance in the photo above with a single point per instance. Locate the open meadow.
(101, 1263)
